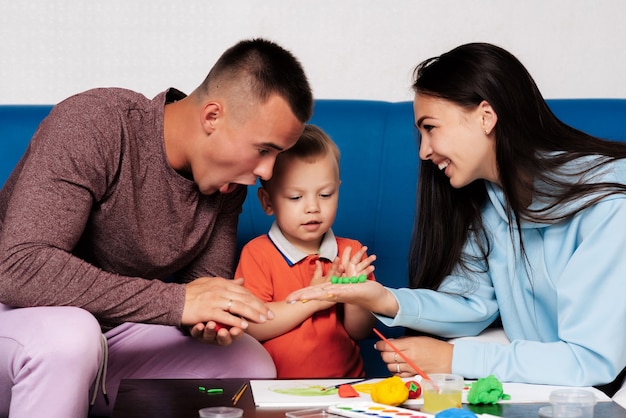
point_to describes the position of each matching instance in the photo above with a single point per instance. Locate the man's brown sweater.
(93, 215)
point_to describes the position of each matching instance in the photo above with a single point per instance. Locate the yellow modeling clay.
(364, 387)
(391, 391)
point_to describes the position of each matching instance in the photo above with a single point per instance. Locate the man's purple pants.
(49, 360)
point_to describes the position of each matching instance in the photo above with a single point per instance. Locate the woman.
(520, 217)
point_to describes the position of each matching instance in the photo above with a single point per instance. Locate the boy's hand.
(354, 266)
(318, 276)
(348, 265)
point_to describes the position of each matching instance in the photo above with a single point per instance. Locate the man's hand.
(215, 302)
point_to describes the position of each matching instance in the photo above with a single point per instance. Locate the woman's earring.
(486, 132)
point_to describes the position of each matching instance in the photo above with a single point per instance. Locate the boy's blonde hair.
(313, 144)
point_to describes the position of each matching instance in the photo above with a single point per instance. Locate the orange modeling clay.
(347, 391)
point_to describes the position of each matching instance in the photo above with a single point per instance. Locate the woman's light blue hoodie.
(563, 306)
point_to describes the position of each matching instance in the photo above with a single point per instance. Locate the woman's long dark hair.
(532, 145)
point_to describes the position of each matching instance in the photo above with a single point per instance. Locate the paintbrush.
(405, 358)
(347, 383)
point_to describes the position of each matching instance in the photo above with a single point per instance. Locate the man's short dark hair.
(269, 68)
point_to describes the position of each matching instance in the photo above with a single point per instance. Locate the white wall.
(359, 49)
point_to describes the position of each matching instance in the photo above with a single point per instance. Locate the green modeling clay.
(486, 390)
(347, 280)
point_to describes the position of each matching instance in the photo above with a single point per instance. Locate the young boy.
(317, 339)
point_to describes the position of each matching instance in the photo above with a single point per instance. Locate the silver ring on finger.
(230, 303)
(397, 368)
(395, 357)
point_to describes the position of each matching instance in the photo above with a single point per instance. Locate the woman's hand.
(217, 310)
(429, 354)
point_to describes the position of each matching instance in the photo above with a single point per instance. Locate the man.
(122, 217)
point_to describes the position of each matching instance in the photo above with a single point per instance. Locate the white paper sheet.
(309, 392)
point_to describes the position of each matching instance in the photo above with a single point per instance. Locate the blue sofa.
(378, 171)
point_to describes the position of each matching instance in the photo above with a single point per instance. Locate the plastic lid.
(220, 412)
(577, 397)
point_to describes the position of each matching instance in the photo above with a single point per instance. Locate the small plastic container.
(443, 391)
(565, 400)
(220, 412)
(309, 413)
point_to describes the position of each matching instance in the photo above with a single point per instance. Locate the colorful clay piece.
(211, 391)
(415, 390)
(348, 280)
(347, 391)
(486, 390)
(219, 326)
(363, 387)
(390, 391)
(455, 413)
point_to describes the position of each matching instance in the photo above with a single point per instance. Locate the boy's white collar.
(328, 248)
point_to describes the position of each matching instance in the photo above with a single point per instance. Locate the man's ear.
(489, 117)
(264, 198)
(211, 114)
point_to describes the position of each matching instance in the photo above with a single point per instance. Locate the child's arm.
(288, 316)
(357, 321)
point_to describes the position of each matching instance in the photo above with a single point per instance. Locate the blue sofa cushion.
(379, 167)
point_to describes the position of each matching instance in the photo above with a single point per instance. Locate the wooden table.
(181, 398)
